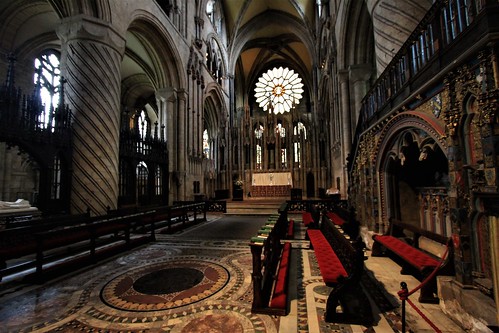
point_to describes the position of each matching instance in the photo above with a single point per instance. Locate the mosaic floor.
(179, 286)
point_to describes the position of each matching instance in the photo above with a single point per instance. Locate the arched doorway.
(415, 178)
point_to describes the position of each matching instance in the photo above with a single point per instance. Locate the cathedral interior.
(378, 113)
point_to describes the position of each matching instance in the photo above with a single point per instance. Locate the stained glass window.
(278, 90)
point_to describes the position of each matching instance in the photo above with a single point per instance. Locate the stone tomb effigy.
(271, 184)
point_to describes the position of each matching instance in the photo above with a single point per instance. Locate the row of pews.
(45, 247)
(334, 235)
(271, 265)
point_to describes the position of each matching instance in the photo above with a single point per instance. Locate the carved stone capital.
(83, 27)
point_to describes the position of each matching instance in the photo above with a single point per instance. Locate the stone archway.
(412, 173)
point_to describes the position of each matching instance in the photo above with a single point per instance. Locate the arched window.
(206, 144)
(48, 80)
(215, 12)
(143, 123)
(300, 132)
(281, 133)
(142, 175)
(258, 146)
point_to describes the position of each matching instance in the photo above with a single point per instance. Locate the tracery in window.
(48, 78)
(279, 90)
(300, 130)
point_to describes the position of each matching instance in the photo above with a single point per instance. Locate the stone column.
(168, 111)
(393, 22)
(181, 144)
(359, 77)
(91, 59)
(345, 111)
(346, 120)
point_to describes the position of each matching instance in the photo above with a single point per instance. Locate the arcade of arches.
(390, 104)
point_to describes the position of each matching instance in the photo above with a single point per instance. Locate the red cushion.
(291, 227)
(329, 263)
(307, 218)
(335, 218)
(279, 297)
(412, 255)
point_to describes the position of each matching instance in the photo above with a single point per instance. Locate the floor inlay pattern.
(165, 285)
(123, 294)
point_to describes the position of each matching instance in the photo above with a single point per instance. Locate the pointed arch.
(411, 135)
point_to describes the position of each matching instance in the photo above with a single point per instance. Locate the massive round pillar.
(90, 62)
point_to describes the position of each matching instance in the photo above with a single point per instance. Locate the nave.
(199, 280)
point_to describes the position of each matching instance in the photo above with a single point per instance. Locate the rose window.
(279, 90)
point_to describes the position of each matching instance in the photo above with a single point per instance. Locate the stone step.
(254, 207)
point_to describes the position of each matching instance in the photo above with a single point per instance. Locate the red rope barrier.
(435, 328)
(432, 275)
(404, 294)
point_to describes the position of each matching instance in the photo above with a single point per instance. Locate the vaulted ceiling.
(264, 34)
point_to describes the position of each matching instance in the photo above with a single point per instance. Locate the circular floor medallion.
(165, 286)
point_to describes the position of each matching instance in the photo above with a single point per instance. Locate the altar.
(271, 184)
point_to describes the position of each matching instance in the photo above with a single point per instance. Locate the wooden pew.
(419, 252)
(341, 263)
(82, 239)
(346, 219)
(270, 276)
(78, 236)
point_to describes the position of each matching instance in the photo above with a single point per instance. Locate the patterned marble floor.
(119, 296)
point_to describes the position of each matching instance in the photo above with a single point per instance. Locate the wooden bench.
(346, 219)
(166, 219)
(311, 217)
(419, 252)
(335, 218)
(82, 238)
(271, 267)
(341, 263)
